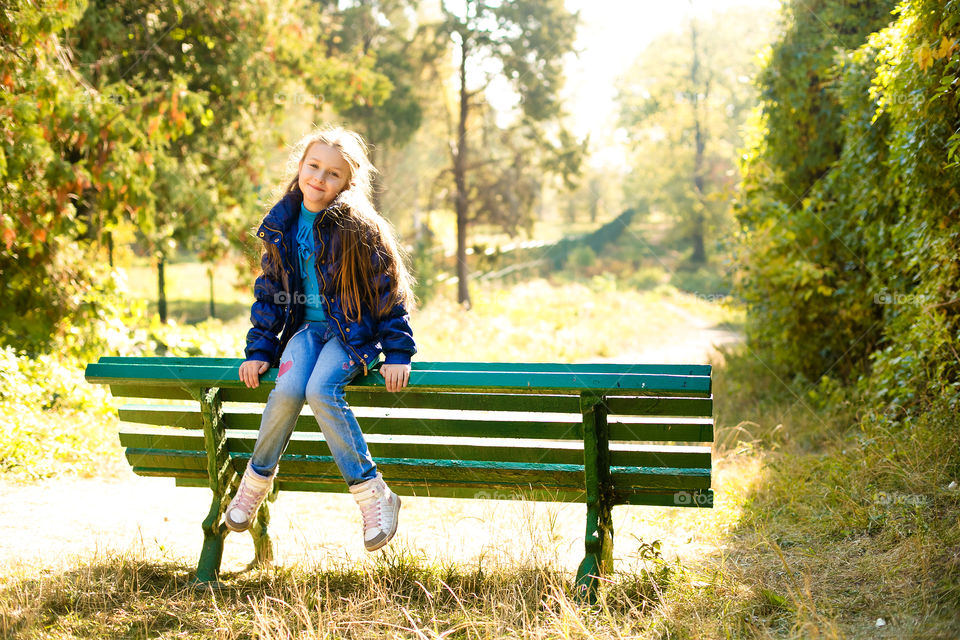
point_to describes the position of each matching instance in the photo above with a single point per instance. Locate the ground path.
(60, 524)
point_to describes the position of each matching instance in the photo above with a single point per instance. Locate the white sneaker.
(380, 508)
(243, 508)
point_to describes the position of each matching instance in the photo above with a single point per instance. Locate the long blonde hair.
(363, 235)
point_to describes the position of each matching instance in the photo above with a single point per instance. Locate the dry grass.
(394, 596)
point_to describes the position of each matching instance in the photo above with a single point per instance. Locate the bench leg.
(598, 542)
(598, 545)
(262, 545)
(220, 475)
(208, 568)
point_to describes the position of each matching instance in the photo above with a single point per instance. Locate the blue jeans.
(314, 367)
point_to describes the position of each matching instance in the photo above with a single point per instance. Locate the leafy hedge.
(850, 242)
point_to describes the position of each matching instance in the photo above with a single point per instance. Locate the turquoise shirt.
(307, 250)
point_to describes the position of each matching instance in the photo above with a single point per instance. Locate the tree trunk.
(110, 248)
(460, 178)
(699, 255)
(161, 291)
(213, 311)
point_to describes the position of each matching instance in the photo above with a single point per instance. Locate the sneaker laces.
(247, 497)
(370, 510)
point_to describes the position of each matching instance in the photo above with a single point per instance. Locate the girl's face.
(323, 174)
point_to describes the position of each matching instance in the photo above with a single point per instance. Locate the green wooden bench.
(603, 434)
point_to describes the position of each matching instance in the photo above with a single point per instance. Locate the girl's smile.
(323, 174)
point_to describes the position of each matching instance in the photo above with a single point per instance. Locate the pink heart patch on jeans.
(284, 367)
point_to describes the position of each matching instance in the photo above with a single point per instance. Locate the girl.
(335, 289)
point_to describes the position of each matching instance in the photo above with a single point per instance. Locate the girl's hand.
(395, 375)
(251, 370)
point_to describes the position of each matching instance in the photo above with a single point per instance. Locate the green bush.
(849, 248)
(54, 421)
(706, 281)
(646, 278)
(580, 258)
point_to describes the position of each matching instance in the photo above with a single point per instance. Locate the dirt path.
(63, 523)
(692, 341)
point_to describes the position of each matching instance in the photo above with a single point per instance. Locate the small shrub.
(646, 278)
(703, 281)
(581, 258)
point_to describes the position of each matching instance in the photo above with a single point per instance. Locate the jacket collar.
(285, 213)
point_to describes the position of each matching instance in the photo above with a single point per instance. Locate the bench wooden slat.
(451, 400)
(413, 399)
(421, 381)
(188, 418)
(662, 431)
(439, 472)
(150, 392)
(640, 406)
(605, 367)
(696, 498)
(494, 426)
(462, 449)
(358, 396)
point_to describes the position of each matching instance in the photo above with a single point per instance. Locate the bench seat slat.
(605, 367)
(445, 399)
(421, 381)
(696, 498)
(438, 427)
(147, 391)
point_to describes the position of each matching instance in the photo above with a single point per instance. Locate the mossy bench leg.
(263, 547)
(221, 477)
(598, 542)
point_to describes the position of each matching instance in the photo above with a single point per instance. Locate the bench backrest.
(498, 430)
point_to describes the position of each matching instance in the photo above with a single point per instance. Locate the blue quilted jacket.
(278, 308)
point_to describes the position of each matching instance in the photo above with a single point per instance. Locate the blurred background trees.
(810, 159)
(683, 105)
(157, 118)
(522, 43)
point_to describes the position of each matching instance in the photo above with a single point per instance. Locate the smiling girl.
(332, 297)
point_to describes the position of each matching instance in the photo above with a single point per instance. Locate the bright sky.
(611, 35)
